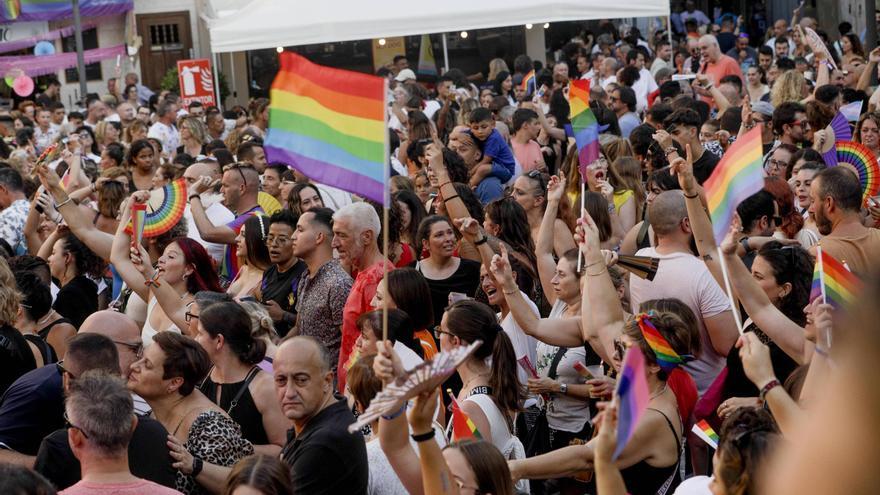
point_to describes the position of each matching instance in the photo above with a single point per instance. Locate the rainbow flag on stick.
(632, 392)
(583, 124)
(330, 125)
(138, 222)
(462, 426)
(833, 282)
(735, 178)
(704, 431)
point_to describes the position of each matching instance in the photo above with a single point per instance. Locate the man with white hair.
(356, 230)
(715, 65)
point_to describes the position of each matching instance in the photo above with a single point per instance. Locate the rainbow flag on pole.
(330, 125)
(427, 63)
(583, 124)
(737, 176)
(633, 396)
(704, 431)
(462, 426)
(833, 282)
(138, 221)
(528, 83)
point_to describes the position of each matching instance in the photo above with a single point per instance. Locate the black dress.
(465, 280)
(16, 357)
(46, 350)
(236, 400)
(77, 300)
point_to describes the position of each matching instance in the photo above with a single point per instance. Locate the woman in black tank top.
(35, 304)
(235, 383)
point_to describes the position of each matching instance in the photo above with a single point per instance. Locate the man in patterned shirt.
(14, 208)
(324, 286)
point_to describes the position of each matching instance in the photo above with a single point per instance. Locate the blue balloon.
(44, 48)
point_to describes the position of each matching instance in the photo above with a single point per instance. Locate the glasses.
(189, 316)
(802, 123)
(85, 135)
(280, 240)
(238, 166)
(136, 348)
(775, 164)
(438, 332)
(63, 370)
(68, 424)
(613, 98)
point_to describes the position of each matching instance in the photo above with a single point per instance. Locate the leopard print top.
(214, 438)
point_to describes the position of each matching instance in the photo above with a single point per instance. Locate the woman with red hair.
(184, 269)
(792, 222)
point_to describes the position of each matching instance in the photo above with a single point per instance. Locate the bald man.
(239, 185)
(212, 203)
(323, 458)
(683, 276)
(715, 64)
(33, 406)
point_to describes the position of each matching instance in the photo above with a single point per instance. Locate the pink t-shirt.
(725, 66)
(138, 487)
(685, 277)
(528, 155)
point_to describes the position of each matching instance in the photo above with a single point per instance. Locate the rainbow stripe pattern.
(159, 220)
(528, 83)
(666, 356)
(860, 158)
(737, 176)
(833, 282)
(583, 124)
(633, 396)
(462, 426)
(138, 215)
(330, 125)
(704, 431)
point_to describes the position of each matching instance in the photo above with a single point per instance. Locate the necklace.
(471, 380)
(658, 394)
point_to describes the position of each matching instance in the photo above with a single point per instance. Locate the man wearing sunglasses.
(790, 123)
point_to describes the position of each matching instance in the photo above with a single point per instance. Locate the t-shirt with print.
(685, 277)
(503, 163)
(229, 269)
(282, 287)
(12, 220)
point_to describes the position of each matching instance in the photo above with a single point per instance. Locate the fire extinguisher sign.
(196, 82)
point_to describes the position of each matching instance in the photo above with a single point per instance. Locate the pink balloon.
(23, 85)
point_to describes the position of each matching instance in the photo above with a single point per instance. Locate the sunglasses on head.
(238, 166)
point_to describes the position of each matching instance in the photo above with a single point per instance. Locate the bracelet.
(511, 292)
(767, 388)
(423, 437)
(197, 467)
(600, 262)
(600, 272)
(196, 196)
(441, 185)
(450, 198)
(395, 414)
(59, 205)
(695, 195)
(152, 281)
(670, 150)
(484, 240)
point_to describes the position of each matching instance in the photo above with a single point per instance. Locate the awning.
(53, 10)
(272, 23)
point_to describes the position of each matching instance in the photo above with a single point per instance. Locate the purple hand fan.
(423, 378)
(842, 132)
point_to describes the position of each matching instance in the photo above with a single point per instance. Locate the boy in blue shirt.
(498, 158)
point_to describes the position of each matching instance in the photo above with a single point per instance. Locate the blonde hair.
(467, 106)
(496, 65)
(9, 296)
(789, 86)
(126, 134)
(196, 127)
(261, 322)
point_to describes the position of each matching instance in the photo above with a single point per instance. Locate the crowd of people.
(231, 352)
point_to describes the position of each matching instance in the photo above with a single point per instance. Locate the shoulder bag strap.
(551, 374)
(244, 386)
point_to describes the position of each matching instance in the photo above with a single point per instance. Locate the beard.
(823, 224)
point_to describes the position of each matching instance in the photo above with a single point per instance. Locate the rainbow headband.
(667, 358)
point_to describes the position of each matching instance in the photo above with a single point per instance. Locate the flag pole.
(821, 273)
(580, 255)
(386, 201)
(733, 306)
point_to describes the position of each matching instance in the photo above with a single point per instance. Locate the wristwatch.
(563, 388)
(745, 244)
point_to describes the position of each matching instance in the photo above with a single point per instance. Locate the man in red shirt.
(356, 229)
(715, 64)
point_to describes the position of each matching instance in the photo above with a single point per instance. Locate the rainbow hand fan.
(839, 127)
(863, 162)
(423, 378)
(164, 209)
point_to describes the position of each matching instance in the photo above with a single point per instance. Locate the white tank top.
(148, 331)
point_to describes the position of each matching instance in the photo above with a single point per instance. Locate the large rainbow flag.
(330, 125)
(737, 176)
(583, 124)
(633, 396)
(833, 282)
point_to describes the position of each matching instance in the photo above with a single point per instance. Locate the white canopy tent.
(263, 24)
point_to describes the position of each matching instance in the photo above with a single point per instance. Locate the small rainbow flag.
(330, 125)
(583, 124)
(833, 282)
(735, 178)
(528, 83)
(427, 63)
(138, 218)
(666, 356)
(632, 392)
(462, 426)
(704, 431)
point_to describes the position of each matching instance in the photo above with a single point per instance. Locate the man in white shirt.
(685, 277)
(780, 30)
(164, 129)
(646, 83)
(212, 201)
(608, 72)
